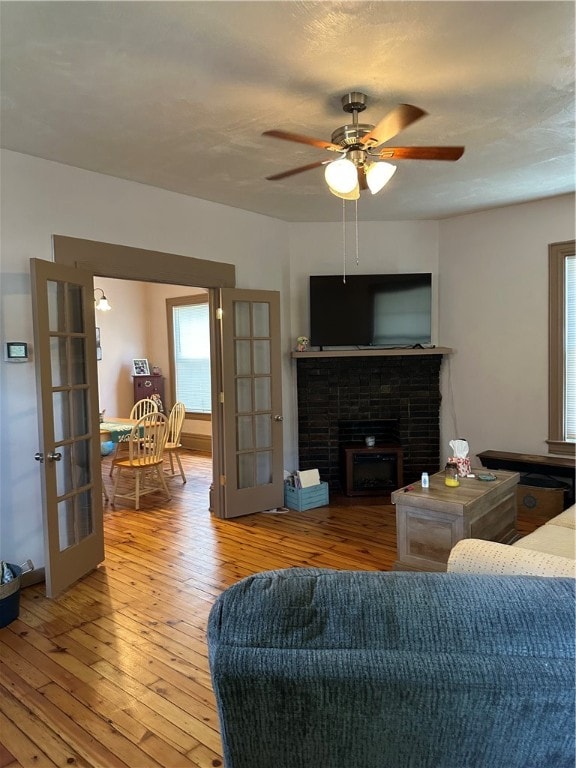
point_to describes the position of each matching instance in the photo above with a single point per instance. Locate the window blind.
(192, 357)
(570, 348)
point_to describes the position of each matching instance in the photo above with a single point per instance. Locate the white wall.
(39, 199)
(391, 246)
(494, 313)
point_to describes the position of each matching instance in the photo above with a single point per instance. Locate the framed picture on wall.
(141, 367)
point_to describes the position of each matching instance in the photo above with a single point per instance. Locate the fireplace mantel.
(371, 352)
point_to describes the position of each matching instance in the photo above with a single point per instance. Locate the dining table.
(116, 429)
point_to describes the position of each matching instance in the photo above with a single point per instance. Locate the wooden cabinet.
(146, 386)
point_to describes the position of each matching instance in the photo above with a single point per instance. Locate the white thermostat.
(16, 352)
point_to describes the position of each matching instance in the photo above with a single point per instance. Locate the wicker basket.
(10, 597)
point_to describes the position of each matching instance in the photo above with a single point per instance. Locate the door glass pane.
(264, 468)
(242, 318)
(75, 315)
(80, 412)
(58, 361)
(263, 431)
(244, 431)
(55, 293)
(84, 518)
(75, 520)
(81, 463)
(262, 394)
(77, 357)
(61, 416)
(64, 474)
(261, 356)
(66, 536)
(243, 395)
(261, 318)
(242, 355)
(246, 470)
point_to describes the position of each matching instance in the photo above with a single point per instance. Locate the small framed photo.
(141, 367)
(98, 347)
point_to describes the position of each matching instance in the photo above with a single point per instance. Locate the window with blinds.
(562, 348)
(191, 353)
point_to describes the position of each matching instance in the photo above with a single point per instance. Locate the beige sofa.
(549, 551)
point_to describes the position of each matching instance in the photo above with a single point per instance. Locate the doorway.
(129, 263)
(138, 327)
(247, 437)
(245, 382)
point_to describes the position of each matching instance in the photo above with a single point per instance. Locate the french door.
(248, 430)
(68, 426)
(247, 413)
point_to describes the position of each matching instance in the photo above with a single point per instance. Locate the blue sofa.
(349, 669)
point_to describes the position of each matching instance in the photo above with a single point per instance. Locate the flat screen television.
(371, 310)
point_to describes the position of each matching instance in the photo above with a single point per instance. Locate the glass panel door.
(252, 401)
(69, 455)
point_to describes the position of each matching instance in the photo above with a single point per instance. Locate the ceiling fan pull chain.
(356, 221)
(343, 240)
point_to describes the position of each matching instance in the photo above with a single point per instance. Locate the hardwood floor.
(114, 673)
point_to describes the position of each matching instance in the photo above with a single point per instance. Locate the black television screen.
(371, 310)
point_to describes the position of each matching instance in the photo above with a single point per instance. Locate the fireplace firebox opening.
(371, 471)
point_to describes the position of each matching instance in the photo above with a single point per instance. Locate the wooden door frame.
(125, 262)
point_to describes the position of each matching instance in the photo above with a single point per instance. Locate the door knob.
(54, 456)
(39, 457)
(278, 418)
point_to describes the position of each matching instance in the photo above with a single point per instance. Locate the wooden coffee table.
(429, 521)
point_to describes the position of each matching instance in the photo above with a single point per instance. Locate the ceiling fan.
(358, 143)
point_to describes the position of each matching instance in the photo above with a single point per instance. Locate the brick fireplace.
(342, 399)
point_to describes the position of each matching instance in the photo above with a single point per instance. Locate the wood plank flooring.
(114, 673)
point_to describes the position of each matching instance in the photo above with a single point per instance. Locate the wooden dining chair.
(173, 444)
(139, 409)
(142, 470)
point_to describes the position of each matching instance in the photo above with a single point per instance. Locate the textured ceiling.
(177, 94)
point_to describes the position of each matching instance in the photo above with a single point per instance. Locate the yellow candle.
(452, 481)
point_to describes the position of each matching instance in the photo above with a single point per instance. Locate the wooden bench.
(556, 466)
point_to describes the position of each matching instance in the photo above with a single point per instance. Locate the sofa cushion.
(479, 556)
(553, 539)
(567, 519)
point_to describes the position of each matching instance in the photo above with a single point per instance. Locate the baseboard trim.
(201, 443)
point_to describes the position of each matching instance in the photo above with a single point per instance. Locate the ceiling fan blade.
(421, 153)
(390, 125)
(293, 171)
(298, 137)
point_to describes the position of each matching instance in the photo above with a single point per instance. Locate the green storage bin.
(302, 499)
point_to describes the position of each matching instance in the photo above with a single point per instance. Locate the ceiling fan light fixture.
(341, 176)
(378, 175)
(353, 195)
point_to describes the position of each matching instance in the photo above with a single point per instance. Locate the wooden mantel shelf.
(371, 352)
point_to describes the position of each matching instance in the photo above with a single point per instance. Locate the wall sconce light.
(101, 303)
